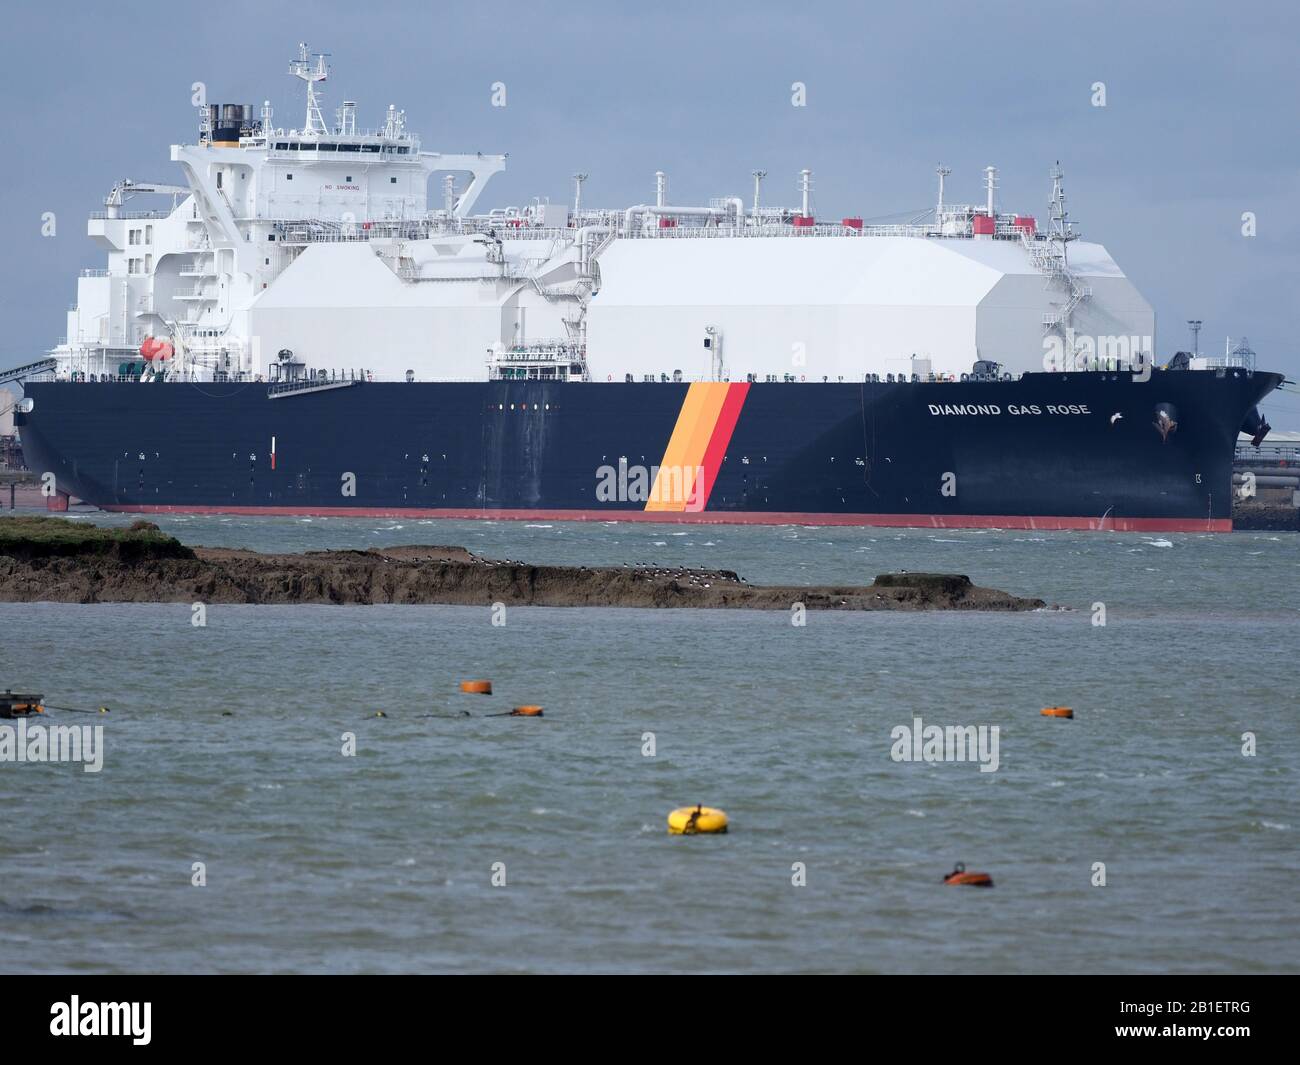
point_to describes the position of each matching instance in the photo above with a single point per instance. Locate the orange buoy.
(1057, 711)
(526, 711)
(476, 687)
(960, 876)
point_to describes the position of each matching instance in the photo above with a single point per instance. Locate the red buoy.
(960, 876)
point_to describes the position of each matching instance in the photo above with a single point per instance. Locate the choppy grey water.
(224, 747)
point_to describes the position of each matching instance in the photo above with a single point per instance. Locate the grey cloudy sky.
(1199, 125)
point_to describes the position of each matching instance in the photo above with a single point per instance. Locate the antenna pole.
(1061, 231)
(990, 186)
(759, 175)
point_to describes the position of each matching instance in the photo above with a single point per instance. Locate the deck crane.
(126, 188)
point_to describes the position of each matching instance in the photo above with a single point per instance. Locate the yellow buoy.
(690, 820)
(1057, 711)
(476, 687)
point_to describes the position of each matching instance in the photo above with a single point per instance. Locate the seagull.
(1115, 417)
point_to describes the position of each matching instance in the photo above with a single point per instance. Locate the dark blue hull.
(1076, 450)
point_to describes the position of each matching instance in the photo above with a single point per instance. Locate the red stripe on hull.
(715, 517)
(722, 430)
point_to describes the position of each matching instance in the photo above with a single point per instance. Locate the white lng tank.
(317, 248)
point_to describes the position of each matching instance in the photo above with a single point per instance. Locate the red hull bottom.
(890, 521)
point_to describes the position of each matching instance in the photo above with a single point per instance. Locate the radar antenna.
(302, 68)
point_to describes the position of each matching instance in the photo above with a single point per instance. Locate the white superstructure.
(318, 247)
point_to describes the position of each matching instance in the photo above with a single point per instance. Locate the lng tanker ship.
(302, 331)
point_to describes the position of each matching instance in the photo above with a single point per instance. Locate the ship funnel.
(228, 120)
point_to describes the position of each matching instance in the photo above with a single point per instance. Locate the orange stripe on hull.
(677, 442)
(675, 484)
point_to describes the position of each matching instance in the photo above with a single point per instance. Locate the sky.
(1199, 124)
